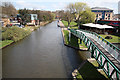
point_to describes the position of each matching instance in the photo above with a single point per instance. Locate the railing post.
(92, 52)
(108, 69)
(117, 75)
(80, 41)
(96, 53)
(86, 42)
(89, 45)
(100, 61)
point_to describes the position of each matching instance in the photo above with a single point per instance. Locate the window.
(99, 14)
(108, 18)
(106, 14)
(109, 15)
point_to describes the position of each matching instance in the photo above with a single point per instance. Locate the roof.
(97, 26)
(118, 15)
(100, 8)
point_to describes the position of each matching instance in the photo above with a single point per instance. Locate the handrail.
(111, 45)
(99, 51)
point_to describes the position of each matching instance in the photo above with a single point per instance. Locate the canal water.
(41, 55)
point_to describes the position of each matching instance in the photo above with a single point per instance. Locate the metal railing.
(109, 47)
(108, 67)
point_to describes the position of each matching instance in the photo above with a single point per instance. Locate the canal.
(41, 55)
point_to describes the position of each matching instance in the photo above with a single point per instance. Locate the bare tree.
(8, 9)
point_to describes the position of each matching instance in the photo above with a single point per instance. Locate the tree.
(25, 16)
(8, 9)
(68, 17)
(82, 12)
(87, 17)
(41, 15)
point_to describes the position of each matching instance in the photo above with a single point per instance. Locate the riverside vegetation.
(12, 34)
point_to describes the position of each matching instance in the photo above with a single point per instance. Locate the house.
(34, 19)
(102, 13)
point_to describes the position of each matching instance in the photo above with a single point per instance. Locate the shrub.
(14, 33)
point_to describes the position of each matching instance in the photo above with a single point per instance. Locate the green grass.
(5, 43)
(115, 39)
(14, 34)
(74, 27)
(72, 42)
(66, 36)
(79, 76)
(71, 24)
(82, 45)
(65, 23)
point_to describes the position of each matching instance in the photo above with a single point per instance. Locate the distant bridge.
(106, 54)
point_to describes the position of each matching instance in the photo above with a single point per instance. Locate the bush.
(14, 33)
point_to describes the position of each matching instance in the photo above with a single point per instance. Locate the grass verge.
(14, 34)
(5, 43)
(71, 24)
(72, 42)
(115, 39)
(88, 71)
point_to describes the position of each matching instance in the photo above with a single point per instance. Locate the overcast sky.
(53, 5)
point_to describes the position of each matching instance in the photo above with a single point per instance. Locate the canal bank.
(29, 29)
(42, 55)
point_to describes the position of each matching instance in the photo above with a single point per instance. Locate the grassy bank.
(115, 39)
(14, 33)
(66, 36)
(5, 43)
(72, 24)
(89, 71)
(72, 41)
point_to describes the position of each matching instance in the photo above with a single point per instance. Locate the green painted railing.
(110, 44)
(108, 67)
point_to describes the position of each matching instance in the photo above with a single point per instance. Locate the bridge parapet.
(107, 61)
